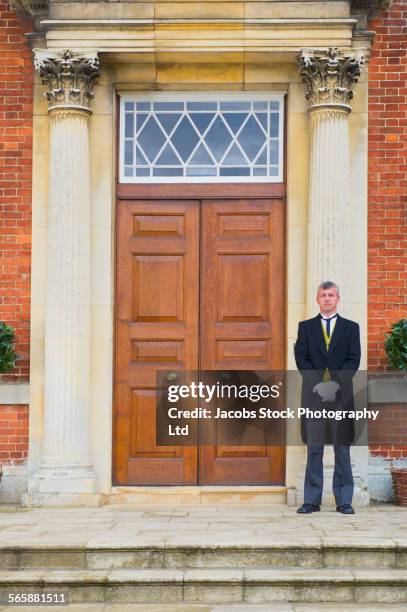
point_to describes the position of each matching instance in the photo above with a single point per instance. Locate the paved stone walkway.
(278, 607)
(230, 525)
(111, 526)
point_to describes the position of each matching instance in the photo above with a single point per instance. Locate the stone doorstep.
(215, 576)
(205, 495)
(214, 586)
(375, 554)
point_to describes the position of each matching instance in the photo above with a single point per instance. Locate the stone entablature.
(213, 32)
(162, 41)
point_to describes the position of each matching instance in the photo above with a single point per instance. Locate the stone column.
(329, 78)
(66, 471)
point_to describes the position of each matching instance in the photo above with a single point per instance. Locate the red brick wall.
(16, 91)
(387, 262)
(13, 434)
(387, 435)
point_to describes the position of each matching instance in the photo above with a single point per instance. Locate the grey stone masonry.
(208, 558)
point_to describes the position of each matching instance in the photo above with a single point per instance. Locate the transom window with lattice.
(201, 138)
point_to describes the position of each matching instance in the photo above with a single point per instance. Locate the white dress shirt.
(333, 322)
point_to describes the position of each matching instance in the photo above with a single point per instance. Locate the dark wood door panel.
(157, 286)
(242, 303)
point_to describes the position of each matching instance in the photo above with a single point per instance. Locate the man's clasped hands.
(327, 390)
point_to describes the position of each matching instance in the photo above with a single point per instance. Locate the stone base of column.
(361, 497)
(63, 486)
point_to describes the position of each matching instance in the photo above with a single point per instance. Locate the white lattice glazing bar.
(201, 137)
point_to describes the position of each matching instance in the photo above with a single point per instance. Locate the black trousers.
(342, 484)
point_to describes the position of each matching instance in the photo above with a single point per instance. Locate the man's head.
(328, 298)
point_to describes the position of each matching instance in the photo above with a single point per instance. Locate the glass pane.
(167, 106)
(274, 171)
(204, 106)
(202, 120)
(143, 106)
(262, 158)
(259, 171)
(218, 138)
(235, 157)
(128, 152)
(151, 139)
(274, 121)
(168, 157)
(167, 171)
(275, 105)
(142, 171)
(238, 105)
(251, 138)
(128, 172)
(168, 121)
(262, 119)
(260, 105)
(201, 172)
(235, 120)
(129, 125)
(140, 120)
(235, 171)
(185, 139)
(274, 151)
(129, 106)
(140, 159)
(201, 157)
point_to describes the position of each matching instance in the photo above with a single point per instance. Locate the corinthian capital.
(69, 77)
(329, 77)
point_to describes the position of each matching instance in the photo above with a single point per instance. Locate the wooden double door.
(199, 286)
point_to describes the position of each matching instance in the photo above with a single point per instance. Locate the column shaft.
(328, 200)
(67, 328)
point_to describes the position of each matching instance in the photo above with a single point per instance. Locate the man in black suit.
(327, 353)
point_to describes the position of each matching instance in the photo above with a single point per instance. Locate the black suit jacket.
(342, 360)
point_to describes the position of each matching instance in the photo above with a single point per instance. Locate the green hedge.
(396, 345)
(8, 355)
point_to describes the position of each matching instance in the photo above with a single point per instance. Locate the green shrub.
(396, 345)
(7, 353)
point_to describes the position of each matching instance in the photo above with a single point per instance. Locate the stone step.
(281, 606)
(214, 586)
(119, 554)
(206, 495)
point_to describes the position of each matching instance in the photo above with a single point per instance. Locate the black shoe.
(345, 509)
(307, 509)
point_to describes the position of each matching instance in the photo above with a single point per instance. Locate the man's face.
(328, 300)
